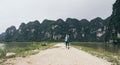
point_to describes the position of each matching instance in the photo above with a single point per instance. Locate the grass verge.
(114, 58)
(22, 49)
(29, 49)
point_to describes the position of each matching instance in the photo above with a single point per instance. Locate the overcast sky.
(14, 12)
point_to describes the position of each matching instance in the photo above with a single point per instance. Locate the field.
(111, 54)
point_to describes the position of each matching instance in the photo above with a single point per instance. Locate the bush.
(2, 53)
(43, 44)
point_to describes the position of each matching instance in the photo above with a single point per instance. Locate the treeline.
(51, 30)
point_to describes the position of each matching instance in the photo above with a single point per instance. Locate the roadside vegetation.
(23, 49)
(110, 54)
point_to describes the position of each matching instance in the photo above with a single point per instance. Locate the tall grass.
(23, 49)
(98, 50)
(2, 53)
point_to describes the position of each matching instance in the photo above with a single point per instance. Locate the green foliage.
(114, 24)
(23, 49)
(50, 30)
(2, 53)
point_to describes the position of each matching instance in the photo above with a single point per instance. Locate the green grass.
(113, 57)
(23, 49)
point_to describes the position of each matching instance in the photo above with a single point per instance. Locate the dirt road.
(59, 55)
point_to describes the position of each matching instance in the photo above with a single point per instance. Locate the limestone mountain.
(113, 31)
(51, 30)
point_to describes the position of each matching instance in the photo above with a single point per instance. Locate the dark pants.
(67, 44)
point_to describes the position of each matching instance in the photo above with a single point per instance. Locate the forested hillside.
(51, 30)
(113, 32)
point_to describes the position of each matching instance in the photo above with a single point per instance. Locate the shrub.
(2, 53)
(43, 44)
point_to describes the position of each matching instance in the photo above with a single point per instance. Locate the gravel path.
(59, 55)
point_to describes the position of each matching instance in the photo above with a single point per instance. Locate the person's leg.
(66, 44)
